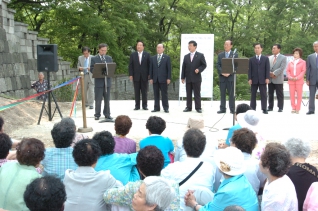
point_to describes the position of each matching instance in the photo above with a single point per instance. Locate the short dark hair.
(244, 139)
(193, 42)
(161, 44)
(255, 44)
(143, 44)
(194, 142)
(277, 158)
(5, 145)
(85, 48)
(277, 45)
(63, 133)
(234, 208)
(30, 151)
(1, 123)
(300, 51)
(105, 141)
(156, 125)
(102, 45)
(242, 108)
(229, 41)
(150, 161)
(45, 194)
(86, 152)
(122, 125)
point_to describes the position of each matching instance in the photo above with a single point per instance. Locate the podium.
(235, 66)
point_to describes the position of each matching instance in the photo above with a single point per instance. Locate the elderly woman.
(156, 125)
(302, 174)
(14, 177)
(155, 193)
(149, 163)
(58, 159)
(235, 188)
(123, 144)
(84, 186)
(279, 191)
(121, 166)
(295, 71)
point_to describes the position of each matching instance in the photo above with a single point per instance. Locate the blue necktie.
(85, 65)
(226, 55)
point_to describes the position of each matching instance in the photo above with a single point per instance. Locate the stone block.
(1, 58)
(18, 69)
(20, 27)
(19, 94)
(30, 54)
(2, 85)
(3, 35)
(22, 41)
(1, 46)
(24, 82)
(1, 71)
(25, 57)
(6, 47)
(14, 83)
(28, 43)
(18, 82)
(8, 84)
(33, 76)
(23, 49)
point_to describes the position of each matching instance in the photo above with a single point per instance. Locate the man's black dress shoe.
(145, 108)
(155, 110)
(280, 110)
(221, 112)
(108, 117)
(166, 111)
(265, 112)
(310, 112)
(199, 110)
(187, 110)
(96, 118)
(136, 109)
(269, 109)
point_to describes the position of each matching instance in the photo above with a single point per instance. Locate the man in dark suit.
(225, 79)
(102, 85)
(258, 76)
(139, 64)
(312, 77)
(160, 77)
(193, 64)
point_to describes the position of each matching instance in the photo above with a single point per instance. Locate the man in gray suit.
(277, 64)
(102, 85)
(83, 65)
(312, 77)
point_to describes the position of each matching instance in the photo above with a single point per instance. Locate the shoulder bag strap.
(190, 175)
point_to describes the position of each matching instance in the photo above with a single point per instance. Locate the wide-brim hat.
(230, 161)
(249, 120)
(197, 123)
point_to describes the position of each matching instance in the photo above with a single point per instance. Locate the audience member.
(155, 193)
(279, 191)
(156, 125)
(121, 166)
(123, 144)
(234, 208)
(235, 188)
(58, 159)
(5, 146)
(12, 154)
(245, 140)
(211, 143)
(14, 177)
(194, 142)
(45, 194)
(302, 174)
(84, 186)
(311, 202)
(150, 161)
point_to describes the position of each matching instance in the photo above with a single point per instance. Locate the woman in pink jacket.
(295, 74)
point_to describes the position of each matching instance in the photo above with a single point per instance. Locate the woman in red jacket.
(295, 74)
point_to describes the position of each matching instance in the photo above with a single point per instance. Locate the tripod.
(49, 110)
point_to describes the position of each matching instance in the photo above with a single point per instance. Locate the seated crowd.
(106, 172)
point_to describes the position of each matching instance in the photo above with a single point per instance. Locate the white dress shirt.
(178, 171)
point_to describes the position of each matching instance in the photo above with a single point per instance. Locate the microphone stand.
(234, 85)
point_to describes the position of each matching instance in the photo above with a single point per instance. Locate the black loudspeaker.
(47, 58)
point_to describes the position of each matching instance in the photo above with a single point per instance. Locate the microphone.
(234, 51)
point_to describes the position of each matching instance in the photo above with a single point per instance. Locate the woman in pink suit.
(295, 74)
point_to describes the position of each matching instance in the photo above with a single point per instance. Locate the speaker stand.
(49, 95)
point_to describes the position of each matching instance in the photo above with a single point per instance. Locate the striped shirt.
(124, 145)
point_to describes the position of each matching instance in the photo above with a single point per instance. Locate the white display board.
(206, 46)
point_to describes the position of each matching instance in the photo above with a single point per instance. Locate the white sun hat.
(230, 161)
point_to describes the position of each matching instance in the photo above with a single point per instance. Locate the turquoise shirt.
(13, 181)
(163, 143)
(230, 133)
(234, 191)
(121, 166)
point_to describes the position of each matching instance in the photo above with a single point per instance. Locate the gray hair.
(316, 42)
(298, 148)
(158, 192)
(40, 73)
(234, 208)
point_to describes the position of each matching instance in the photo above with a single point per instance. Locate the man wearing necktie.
(278, 64)
(226, 80)
(139, 65)
(312, 77)
(193, 64)
(258, 76)
(160, 77)
(102, 85)
(83, 64)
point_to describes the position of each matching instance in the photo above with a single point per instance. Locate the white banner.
(206, 46)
